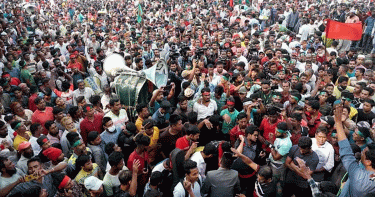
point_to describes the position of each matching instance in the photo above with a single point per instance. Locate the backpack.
(186, 192)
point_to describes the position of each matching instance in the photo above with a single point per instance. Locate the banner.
(343, 31)
(140, 13)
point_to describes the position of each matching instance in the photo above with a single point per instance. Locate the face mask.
(112, 129)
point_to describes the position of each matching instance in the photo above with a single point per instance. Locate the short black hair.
(251, 130)
(113, 101)
(82, 160)
(282, 126)
(241, 116)
(174, 119)
(140, 107)
(192, 130)
(48, 124)
(296, 116)
(189, 165)
(92, 136)
(36, 158)
(227, 160)
(34, 127)
(304, 142)
(321, 129)
(108, 149)
(209, 149)
(370, 155)
(142, 140)
(156, 178)
(115, 158)
(314, 104)
(193, 117)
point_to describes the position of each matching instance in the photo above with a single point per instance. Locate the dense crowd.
(259, 102)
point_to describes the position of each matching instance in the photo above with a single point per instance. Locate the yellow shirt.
(138, 123)
(155, 136)
(19, 139)
(337, 93)
(82, 175)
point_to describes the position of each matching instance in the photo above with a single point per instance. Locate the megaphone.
(158, 73)
(30, 8)
(114, 64)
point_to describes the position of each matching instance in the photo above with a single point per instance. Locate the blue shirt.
(108, 137)
(369, 22)
(358, 183)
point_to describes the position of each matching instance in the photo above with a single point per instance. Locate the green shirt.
(233, 116)
(25, 75)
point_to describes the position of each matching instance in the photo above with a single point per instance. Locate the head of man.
(304, 144)
(142, 142)
(84, 162)
(252, 133)
(193, 133)
(191, 171)
(7, 167)
(116, 160)
(282, 130)
(175, 123)
(142, 110)
(206, 95)
(115, 105)
(40, 103)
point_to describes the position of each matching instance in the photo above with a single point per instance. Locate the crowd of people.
(259, 102)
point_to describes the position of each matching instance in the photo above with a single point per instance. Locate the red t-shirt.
(76, 65)
(182, 143)
(235, 134)
(32, 105)
(133, 156)
(42, 117)
(88, 126)
(268, 128)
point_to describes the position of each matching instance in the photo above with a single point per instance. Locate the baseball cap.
(42, 140)
(93, 183)
(188, 92)
(24, 145)
(328, 119)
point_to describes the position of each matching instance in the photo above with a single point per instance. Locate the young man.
(365, 114)
(111, 131)
(192, 182)
(87, 168)
(94, 186)
(199, 157)
(42, 114)
(356, 185)
(91, 122)
(169, 138)
(111, 178)
(223, 182)
(97, 147)
(143, 113)
(229, 115)
(294, 182)
(189, 142)
(312, 116)
(205, 106)
(54, 134)
(26, 152)
(128, 181)
(118, 115)
(250, 146)
(325, 152)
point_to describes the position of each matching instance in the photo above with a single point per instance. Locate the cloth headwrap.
(64, 182)
(230, 103)
(17, 126)
(225, 78)
(247, 103)
(360, 133)
(281, 131)
(6, 75)
(333, 135)
(276, 96)
(206, 93)
(52, 153)
(296, 98)
(78, 142)
(322, 93)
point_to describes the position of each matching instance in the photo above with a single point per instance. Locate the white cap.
(93, 183)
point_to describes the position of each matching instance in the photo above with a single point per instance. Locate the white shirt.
(203, 111)
(110, 181)
(201, 165)
(179, 190)
(325, 153)
(120, 120)
(86, 92)
(34, 145)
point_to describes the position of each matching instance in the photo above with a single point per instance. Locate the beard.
(12, 171)
(28, 155)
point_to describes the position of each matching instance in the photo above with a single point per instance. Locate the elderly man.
(82, 91)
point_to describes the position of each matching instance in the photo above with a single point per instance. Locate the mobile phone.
(30, 177)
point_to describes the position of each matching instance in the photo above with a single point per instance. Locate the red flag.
(231, 3)
(344, 31)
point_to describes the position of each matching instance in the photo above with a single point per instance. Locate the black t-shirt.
(120, 193)
(362, 116)
(168, 141)
(311, 160)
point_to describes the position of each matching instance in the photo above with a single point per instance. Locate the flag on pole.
(140, 13)
(231, 3)
(344, 31)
